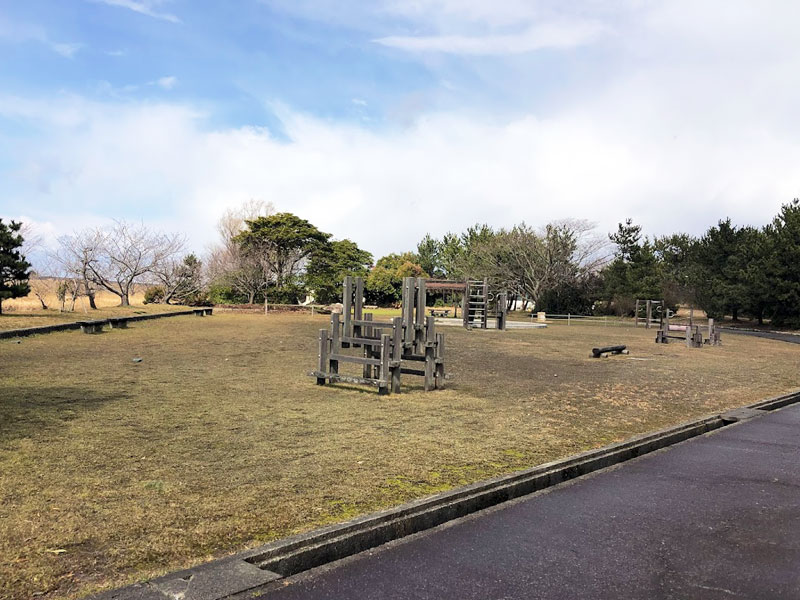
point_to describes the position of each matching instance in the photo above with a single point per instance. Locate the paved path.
(792, 338)
(716, 517)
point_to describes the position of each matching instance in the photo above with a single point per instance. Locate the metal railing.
(605, 321)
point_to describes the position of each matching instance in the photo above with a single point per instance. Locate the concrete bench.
(92, 326)
(118, 323)
(445, 312)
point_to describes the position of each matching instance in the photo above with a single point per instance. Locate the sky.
(383, 120)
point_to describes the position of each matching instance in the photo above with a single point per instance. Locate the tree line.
(264, 256)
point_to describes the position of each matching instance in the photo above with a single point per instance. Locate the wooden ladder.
(477, 303)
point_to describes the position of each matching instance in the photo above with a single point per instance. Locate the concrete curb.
(28, 331)
(255, 568)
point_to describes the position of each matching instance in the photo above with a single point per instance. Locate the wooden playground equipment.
(479, 304)
(383, 345)
(692, 334)
(650, 307)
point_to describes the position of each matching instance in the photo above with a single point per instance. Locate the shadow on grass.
(28, 412)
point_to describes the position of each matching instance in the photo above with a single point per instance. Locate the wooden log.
(322, 355)
(596, 352)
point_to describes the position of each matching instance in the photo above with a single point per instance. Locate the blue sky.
(437, 114)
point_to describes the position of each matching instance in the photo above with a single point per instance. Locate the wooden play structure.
(479, 304)
(382, 346)
(652, 312)
(692, 334)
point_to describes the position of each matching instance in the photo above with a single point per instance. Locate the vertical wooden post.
(397, 352)
(711, 332)
(358, 304)
(430, 353)
(485, 319)
(465, 304)
(335, 343)
(419, 325)
(323, 356)
(385, 377)
(649, 314)
(369, 352)
(502, 309)
(439, 355)
(636, 314)
(691, 315)
(347, 302)
(408, 311)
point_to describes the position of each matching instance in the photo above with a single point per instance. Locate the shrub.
(154, 294)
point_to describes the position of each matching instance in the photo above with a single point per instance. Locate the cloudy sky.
(381, 120)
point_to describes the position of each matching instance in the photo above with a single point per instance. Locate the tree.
(180, 280)
(14, 272)
(428, 251)
(280, 244)
(635, 271)
(124, 253)
(721, 261)
(74, 255)
(328, 266)
(232, 273)
(384, 284)
(783, 276)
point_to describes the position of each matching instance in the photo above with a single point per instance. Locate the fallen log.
(608, 350)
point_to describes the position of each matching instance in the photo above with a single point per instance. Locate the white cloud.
(144, 7)
(166, 83)
(549, 35)
(446, 171)
(18, 33)
(66, 50)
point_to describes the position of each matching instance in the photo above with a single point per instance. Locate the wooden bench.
(443, 312)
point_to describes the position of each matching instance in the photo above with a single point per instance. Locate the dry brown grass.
(112, 471)
(27, 312)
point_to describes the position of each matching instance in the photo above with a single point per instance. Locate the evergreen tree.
(329, 265)
(635, 271)
(782, 269)
(14, 272)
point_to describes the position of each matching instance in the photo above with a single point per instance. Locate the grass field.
(113, 471)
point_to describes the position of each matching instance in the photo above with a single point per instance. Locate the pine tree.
(13, 266)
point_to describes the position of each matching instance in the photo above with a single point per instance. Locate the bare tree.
(179, 278)
(126, 253)
(74, 256)
(227, 264)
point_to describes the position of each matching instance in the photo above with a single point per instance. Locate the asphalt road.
(716, 517)
(771, 335)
